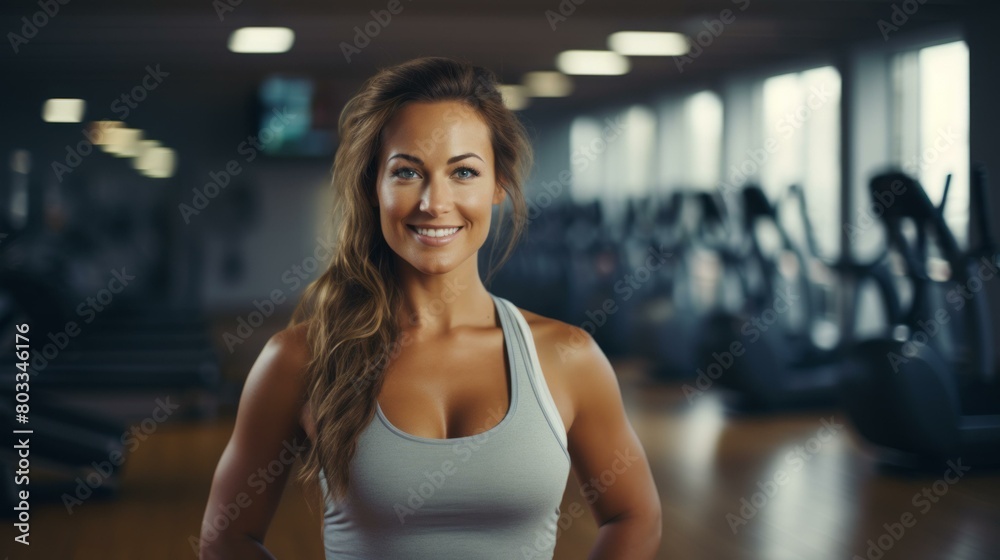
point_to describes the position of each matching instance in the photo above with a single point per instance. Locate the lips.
(435, 231)
(435, 236)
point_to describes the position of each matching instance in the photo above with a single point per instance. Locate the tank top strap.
(525, 365)
(513, 342)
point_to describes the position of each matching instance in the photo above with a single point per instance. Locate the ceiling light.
(143, 159)
(514, 97)
(593, 63)
(124, 142)
(159, 162)
(261, 40)
(648, 43)
(63, 110)
(100, 132)
(547, 84)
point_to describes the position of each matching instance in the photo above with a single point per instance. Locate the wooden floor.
(832, 502)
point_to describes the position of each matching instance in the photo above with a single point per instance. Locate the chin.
(434, 267)
(434, 271)
(423, 263)
(431, 264)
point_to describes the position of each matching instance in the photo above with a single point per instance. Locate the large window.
(704, 127)
(801, 146)
(586, 155)
(690, 142)
(632, 162)
(930, 136)
(612, 159)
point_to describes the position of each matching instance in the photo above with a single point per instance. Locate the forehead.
(439, 129)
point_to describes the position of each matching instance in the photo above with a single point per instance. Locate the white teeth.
(436, 232)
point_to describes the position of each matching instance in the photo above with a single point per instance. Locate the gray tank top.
(493, 495)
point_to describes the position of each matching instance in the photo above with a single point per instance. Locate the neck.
(438, 303)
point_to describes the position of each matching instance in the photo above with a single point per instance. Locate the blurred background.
(774, 216)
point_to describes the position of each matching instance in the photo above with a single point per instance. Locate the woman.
(440, 420)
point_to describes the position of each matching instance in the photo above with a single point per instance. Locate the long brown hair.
(351, 308)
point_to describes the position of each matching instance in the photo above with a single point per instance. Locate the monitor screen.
(294, 118)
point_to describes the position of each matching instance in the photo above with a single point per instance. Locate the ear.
(499, 195)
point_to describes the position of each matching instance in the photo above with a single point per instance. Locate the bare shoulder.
(291, 345)
(276, 382)
(284, 358)
(572, 363)
(278, 376)
(569, 346)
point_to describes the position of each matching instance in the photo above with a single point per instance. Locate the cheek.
(394, 206)
(478, 208)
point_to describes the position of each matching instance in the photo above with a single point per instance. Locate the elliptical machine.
(932, 393)
(696, 234)
(765, 353)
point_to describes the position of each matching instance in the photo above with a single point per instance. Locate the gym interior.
(775, 217)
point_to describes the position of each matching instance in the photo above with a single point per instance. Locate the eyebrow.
(451, 160)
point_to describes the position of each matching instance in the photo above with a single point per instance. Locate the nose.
(436, 198)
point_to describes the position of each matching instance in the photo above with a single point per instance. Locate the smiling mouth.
(435, 231)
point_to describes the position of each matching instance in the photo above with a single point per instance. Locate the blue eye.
(471, 172)
(403, 171)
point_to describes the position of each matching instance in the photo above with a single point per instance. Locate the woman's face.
(436, 184)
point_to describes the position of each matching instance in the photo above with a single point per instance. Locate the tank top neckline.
(512, 376)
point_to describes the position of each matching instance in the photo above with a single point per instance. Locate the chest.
(456, 386)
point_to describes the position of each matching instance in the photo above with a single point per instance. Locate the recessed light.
(159, 163)
(123, 142)
(648, 43)
(547, 84)
(100, 132)
(261, 40)
(515, 97)
(142, 159)
(63, 110)
(592, 63)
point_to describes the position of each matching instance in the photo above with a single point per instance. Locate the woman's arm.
(609, 460)
(255, 465)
